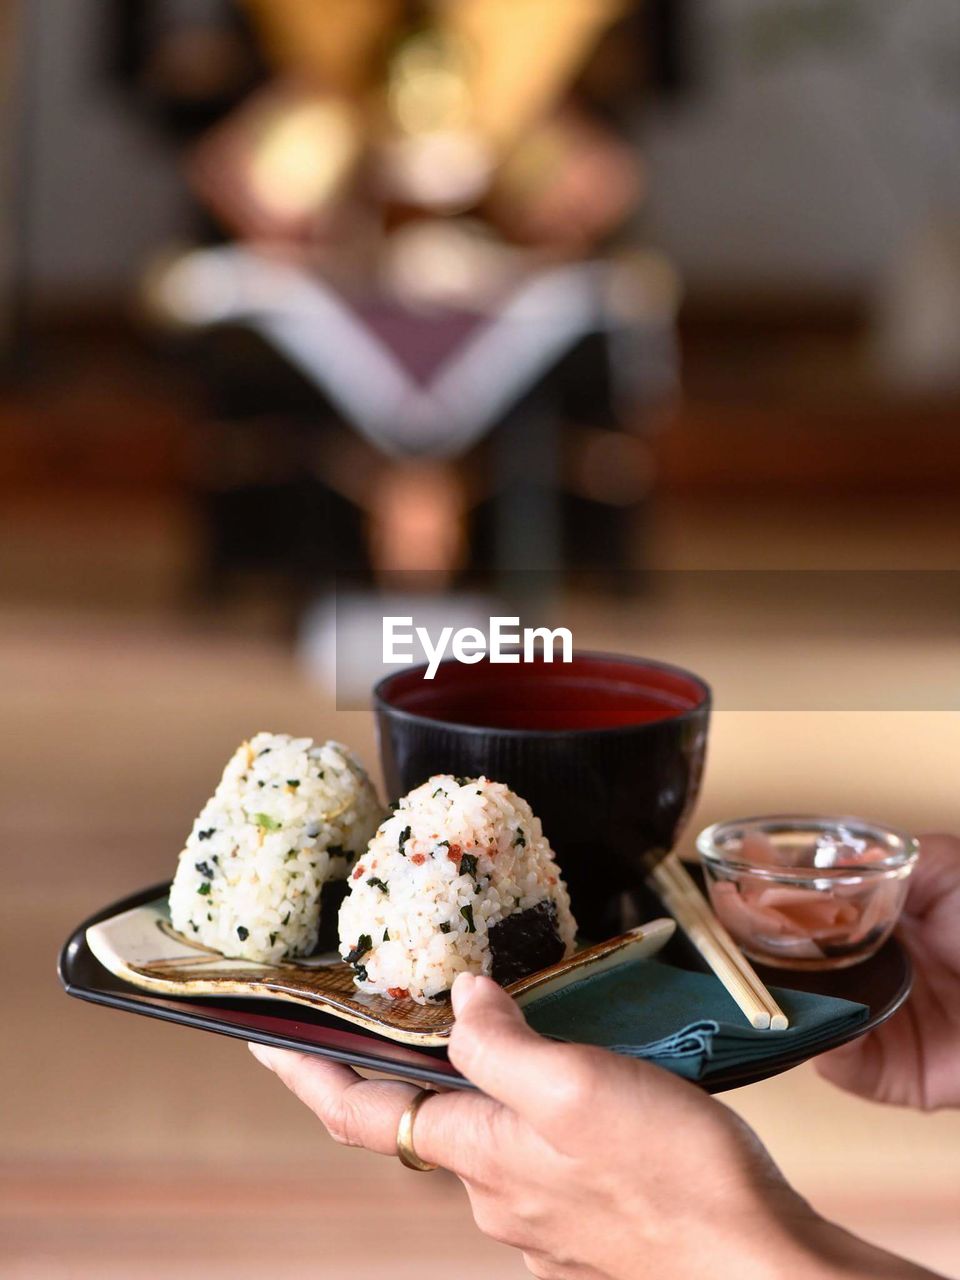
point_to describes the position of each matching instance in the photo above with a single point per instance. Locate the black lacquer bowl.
(608, 750)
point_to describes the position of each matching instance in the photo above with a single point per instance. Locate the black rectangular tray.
(881, 983)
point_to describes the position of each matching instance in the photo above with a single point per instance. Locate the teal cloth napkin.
(685, 1021)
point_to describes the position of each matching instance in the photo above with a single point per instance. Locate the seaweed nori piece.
(364, 944)
(525, 942)
(331, 896)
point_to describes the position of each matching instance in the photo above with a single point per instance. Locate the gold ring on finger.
(405, 1148)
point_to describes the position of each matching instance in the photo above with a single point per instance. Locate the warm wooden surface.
(133, 1149)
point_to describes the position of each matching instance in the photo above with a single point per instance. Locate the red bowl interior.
(591, 692)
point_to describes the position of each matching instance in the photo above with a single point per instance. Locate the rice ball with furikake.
(459, 879)
(265, 867)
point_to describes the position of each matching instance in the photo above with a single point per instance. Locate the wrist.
(829, 1252)
(786, 1237)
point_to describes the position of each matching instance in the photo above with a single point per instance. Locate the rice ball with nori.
(268, 857)
(459, 878)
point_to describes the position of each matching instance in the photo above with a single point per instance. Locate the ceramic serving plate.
(142, 947)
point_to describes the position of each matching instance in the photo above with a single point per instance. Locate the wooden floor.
(133, 1149)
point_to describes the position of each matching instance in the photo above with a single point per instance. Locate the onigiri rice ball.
(269, 855)
(459, 879)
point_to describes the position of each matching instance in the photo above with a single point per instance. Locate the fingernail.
(262, 1053)
(461, 991)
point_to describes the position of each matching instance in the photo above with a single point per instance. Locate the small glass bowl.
(807, 892)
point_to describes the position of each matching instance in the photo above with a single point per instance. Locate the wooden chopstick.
(693, 913)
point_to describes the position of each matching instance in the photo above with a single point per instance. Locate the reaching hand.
(914, 1058)
(596, 1166)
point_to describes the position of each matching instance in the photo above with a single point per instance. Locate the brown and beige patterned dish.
(141, 947)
